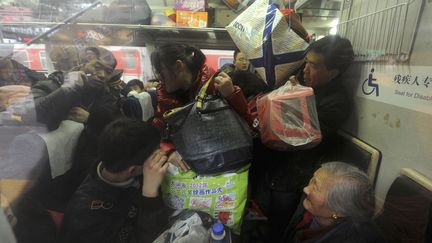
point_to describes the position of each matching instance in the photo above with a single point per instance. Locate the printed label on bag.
(223, 196)
(199, 185)
(203, 204)
(226, 201)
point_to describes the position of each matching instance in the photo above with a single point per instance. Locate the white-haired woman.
(338, 206)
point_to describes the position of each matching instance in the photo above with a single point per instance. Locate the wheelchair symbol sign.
(368, 86)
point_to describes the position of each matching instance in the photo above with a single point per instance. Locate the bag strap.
(202, 93)
(199, 98)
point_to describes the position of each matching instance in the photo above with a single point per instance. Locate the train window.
(225, 60)
(42, 56)
(22, 57)
(130, 59)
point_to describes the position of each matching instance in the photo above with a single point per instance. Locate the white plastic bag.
(288, 118)
(273, 48)
(189, 227)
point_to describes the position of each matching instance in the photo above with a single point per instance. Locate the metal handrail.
(374, 13)
(382, 34)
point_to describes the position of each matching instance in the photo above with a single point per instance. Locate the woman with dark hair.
(182, 72)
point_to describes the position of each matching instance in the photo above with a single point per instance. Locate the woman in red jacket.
(182, 71)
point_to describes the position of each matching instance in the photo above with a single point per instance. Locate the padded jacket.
(101, 212)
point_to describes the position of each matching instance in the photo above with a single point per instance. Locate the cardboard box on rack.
(190, 5)
(192, 19)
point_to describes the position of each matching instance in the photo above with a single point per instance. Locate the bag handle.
(199, 98)
(202, 93)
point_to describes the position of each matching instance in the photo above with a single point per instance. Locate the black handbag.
(209, 135)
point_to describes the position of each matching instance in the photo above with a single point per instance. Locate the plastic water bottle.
(218, 234)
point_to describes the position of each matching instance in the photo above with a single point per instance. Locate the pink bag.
(288, 118)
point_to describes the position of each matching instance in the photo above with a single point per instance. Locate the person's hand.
(153, 173)
(176, 160)
(78, 114)
(294, 81)
(224, 84)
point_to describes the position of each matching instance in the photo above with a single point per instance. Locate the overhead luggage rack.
(122, 34)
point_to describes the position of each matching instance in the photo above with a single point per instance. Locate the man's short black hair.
(337, 51)
(137, 82)
(126, 142)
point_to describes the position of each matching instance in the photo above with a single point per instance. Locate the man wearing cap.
(73, 95)
(90, 96)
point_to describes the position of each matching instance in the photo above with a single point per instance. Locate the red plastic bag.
(288, 118)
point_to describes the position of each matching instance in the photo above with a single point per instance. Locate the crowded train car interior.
(304, 121)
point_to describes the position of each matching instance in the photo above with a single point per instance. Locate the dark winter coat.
(100, 212)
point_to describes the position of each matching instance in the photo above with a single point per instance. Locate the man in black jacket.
(283, 174)
(75, 95)
(85, 96)
(111, 205)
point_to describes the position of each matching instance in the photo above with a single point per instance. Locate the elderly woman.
(338, 206)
